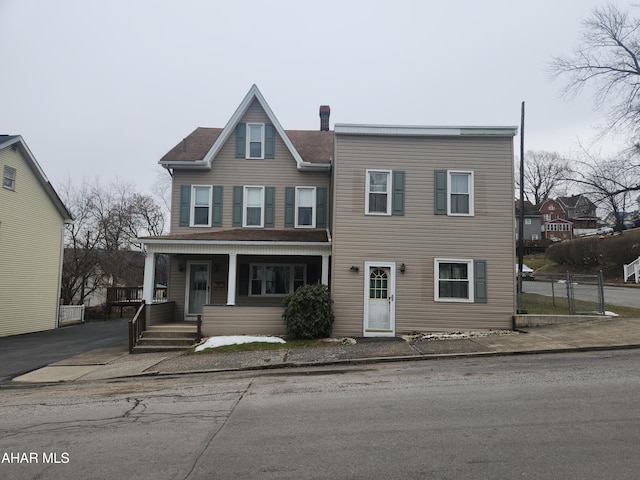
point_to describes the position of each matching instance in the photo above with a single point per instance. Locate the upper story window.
(253, 207)
(9, 178)
(527, 221)
(460, 186)
(454, 192)
(378, 199)
(547, 217)
(551, 207)
(201, 206)
(255, 140)
(305, 207)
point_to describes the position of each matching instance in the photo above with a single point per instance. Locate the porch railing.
(632, 269)
(137, 325)
(71, 314)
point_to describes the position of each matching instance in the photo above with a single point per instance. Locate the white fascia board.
(408, 130)
(254, 92)
(317, 167)
(185, 164)
(153, 241)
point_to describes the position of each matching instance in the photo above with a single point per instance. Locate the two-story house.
(555, 226)
(407, 225)
(581, 212)
(532, 221)
(32, 221)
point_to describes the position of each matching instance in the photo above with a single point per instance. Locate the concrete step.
(169, 334)
(158, 348)
(181, 342)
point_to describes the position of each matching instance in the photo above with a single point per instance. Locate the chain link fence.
(578, 294)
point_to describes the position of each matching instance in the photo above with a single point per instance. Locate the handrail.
(137, 325)
(199, 328)
(632, 269)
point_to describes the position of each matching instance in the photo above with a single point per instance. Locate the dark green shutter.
(269, 141)
(243, 276)
(289, 206)
(269, 205)
(217, 206)
(321, 207)
(397, 201)
(480, 281)
(440, 192)
(241, 140)
(237, 206)
(185, 205)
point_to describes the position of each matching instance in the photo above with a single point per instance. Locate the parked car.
(604, 231)
(527, 273)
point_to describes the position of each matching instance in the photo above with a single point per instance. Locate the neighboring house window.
(253, 209)
(547, 217)
(551, 207)
(378, 200)
(9, 178)
(453, 280)
(201, 206)
(276, 279)
(460, 185)
(305, 207)
(535, 236)
(454, 193)
(255, 140)
(527, 221)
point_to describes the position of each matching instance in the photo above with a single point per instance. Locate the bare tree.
(607, 59)
(544, 172)
(608, 181)
(100, 246)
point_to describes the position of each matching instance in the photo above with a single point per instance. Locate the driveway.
(22, 353)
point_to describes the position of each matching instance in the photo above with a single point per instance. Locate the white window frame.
(263, 281)
(192, 209)
(527, 221)
(9, 178)
(245, 198)
(262, 140)
(389, 193)
(470, 184)
(436, 280)
(313, 207)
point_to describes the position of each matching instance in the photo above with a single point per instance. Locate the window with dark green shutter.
(440, 188)
(241, 140)
(397, 202)
(185, 205)
(217, 206)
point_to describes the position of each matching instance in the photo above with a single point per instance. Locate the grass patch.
(259, 346)
(544, 305)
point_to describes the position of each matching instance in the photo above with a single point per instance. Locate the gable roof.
(19, 143)
(312, 143)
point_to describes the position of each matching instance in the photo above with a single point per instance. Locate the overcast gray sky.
(105, 88)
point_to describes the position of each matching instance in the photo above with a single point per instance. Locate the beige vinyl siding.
(229, 171)
(31, 231)
(242, 320)
(419, 236)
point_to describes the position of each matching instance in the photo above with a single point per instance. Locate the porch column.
(148, 286)
(325, 270)
(231, 280)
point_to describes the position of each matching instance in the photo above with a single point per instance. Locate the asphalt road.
(569, 416)
(23, 353)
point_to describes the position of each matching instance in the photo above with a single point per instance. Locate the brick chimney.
(325, 111)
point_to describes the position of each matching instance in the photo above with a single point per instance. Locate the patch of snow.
(213, 342)
(454, 335)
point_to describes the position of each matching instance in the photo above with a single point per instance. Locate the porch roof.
(245, 235)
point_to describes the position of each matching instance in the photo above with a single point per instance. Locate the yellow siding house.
(32, 219)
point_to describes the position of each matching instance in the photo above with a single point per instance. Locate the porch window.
(305, 211)
(201, 208)
(253, 207)
(276, 279)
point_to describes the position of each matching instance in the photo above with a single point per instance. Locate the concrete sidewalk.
(107, 363)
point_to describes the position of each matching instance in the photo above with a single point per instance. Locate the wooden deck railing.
(137, 325)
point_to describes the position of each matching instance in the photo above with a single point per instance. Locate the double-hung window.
(378, 199)
(453, 280)
(253, 208)
(305, 207)
(460, 185)
(201, 206)
(255, 140)
(9, 178)
(276, 279)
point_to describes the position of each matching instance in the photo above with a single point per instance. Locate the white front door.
(197, 288)
(379, 299)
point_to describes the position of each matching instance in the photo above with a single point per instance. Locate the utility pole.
(521, 216)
